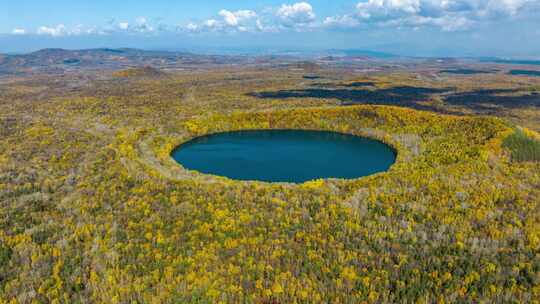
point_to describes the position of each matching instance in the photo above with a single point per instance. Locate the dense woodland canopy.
(94, 209)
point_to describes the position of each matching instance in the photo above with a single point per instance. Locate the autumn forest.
(93, 208)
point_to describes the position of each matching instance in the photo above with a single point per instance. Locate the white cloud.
(78, 30)
(259, 25)
(141, 20)
(57, 31)
(61, 30)
(142, 26)
(510, 7)
(211, 23)
(264, 27)
(344, 21)
(123, 25)
(18, 31)
(229, 17)
(381, 9)
(192, 27)
(235, 18)
(298, 14)
(448, 15)
(446, 23)
(231, 21)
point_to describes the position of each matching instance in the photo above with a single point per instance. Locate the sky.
(508, 28)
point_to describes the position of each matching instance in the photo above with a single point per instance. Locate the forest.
(93, 208)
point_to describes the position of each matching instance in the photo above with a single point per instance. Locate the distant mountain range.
(58, 61)
(94, 57)
(61, 60)
(54, 60)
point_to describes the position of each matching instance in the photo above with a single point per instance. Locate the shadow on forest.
(395, 95)
(359, 84)
(468, 71)
(478, 99)
(311, 77)
(329, 85)
(410, 96)
(524, 73)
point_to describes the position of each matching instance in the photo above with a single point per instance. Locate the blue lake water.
(285, 155)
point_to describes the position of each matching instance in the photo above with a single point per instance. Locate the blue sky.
(409, 27)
